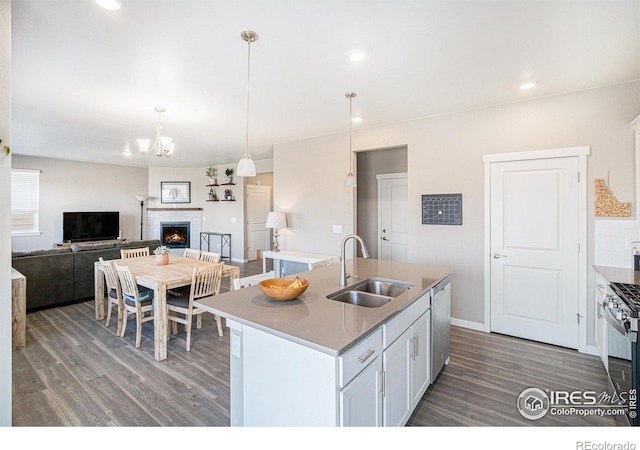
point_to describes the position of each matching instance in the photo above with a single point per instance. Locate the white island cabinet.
(314, 361)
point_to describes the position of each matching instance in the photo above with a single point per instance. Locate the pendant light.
(246, 166)
(350, 181)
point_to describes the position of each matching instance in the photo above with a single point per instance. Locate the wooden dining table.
(177, 273)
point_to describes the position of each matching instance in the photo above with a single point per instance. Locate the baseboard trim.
(467, 324)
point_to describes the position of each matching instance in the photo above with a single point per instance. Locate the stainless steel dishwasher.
(440, 326)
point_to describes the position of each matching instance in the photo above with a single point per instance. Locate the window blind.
(25, 201)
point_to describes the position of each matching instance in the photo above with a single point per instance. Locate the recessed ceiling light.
(357, 55)
(111, 5)
(356, 119)
(528, 85)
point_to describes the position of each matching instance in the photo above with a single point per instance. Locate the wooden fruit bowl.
(276, 288)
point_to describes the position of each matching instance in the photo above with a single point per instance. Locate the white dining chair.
(252, 280)
(138, 301)
(205, 282)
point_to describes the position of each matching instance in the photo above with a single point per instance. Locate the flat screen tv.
(90, 226)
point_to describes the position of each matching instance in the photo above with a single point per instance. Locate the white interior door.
(393, 217)
(534, 249)
(258, 207)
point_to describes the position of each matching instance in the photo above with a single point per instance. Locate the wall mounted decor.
(606, 205)
(442, 209)
(175, 191)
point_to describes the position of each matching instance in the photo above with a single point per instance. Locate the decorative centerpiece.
(211, 173)
(284, 288)
(162, 255)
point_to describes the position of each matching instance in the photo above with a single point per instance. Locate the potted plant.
(162, 255)
(211, 173)
(228, 172)
(212, 194)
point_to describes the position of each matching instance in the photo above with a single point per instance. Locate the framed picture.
(175, 192)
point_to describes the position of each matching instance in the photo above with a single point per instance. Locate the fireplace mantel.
(174, 209)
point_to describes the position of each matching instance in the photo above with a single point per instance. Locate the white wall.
(79, 186)
(445, 156)
(224, 217)
(308, 185)
(5, 215)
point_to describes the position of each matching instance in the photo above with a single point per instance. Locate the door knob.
(384, 238)
(498, 256)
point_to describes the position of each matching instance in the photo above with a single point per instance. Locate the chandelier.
(246, 166)
(162, 146)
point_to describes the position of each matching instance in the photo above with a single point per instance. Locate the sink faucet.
(343, 270)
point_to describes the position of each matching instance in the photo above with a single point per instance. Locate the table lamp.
(276, 220)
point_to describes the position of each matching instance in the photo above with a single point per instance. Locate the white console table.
(312, 260)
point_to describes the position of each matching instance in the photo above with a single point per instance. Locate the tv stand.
(105, 241)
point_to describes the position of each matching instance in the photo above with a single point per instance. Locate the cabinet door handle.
(415, 347)
(381, 388)
(366, 356)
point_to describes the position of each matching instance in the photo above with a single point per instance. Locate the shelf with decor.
(227, 184)
(210, 185)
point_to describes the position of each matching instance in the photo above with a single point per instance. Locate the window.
(25, 202)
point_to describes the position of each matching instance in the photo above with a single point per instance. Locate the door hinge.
(578, 177)
(578, 247)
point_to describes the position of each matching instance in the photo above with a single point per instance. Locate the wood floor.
(76, 372)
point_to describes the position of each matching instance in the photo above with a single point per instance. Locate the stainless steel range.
(621, 312)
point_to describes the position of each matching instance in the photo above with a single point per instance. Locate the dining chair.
(137, 300)
(134, 252)
(205, 282)
(323, 263)
(210, 256)
(191, 253)
(114, 293)
(252, 280)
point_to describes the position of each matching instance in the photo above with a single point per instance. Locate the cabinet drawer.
(359, 357)
(396, 326)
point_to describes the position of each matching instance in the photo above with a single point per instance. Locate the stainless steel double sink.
(371, 292)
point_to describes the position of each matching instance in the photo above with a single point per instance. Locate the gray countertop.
(313, 320)
(618, 274)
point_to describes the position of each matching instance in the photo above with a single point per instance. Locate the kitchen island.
(313, 361)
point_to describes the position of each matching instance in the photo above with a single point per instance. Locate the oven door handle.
(611, 320)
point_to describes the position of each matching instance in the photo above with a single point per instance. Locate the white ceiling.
(85, 80)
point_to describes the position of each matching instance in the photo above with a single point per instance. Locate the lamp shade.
(350, 181)
(246, 167)
(142, 198)
(276, 220)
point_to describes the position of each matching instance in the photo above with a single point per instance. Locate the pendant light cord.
(350, 133)
(246, 150)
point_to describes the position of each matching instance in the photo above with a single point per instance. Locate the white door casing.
(258, 206)
(535, 234)
(393, 217)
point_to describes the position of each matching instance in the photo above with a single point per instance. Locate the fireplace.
(175, 235)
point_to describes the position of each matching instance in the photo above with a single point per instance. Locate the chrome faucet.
(343, 270)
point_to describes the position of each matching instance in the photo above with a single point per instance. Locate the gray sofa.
(61, 276)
